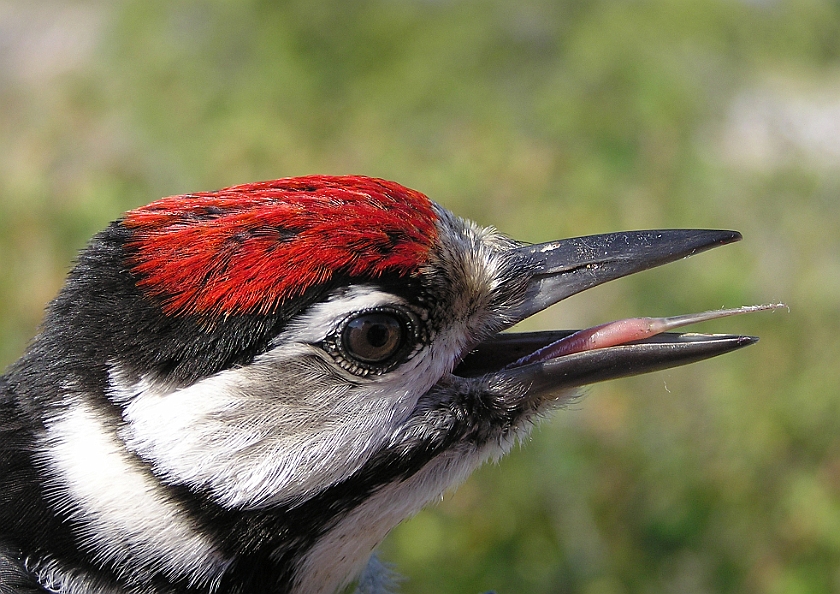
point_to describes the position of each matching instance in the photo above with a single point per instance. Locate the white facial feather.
(293, 422)
(54, 576)
(283, 428)
(342, 553)
(127, 519)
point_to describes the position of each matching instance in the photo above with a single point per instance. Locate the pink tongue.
(629, 330)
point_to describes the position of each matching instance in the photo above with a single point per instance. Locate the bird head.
(288, 369)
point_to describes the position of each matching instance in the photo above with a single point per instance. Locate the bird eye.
(375, 341)
(373, 337)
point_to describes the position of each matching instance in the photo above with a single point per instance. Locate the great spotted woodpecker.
(243, 391)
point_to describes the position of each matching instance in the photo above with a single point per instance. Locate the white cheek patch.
(277, 431)
(283, 428)
(124, 517)
(292, 423)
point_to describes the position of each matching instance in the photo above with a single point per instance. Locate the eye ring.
(374, 341)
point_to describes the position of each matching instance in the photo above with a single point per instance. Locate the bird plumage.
(245, 390)
(250, 248)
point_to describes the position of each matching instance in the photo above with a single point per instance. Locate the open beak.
(551, 362)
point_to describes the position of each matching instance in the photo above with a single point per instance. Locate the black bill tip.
(588, 367)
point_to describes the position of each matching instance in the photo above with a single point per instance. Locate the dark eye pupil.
(373, 337)
(378, 335)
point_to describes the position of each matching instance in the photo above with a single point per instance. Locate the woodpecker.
(244, 391)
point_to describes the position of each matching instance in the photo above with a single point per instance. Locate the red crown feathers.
(248, 248)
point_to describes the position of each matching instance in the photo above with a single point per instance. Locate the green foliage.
(547, 119)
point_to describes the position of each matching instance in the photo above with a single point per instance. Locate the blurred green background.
(545, 119)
